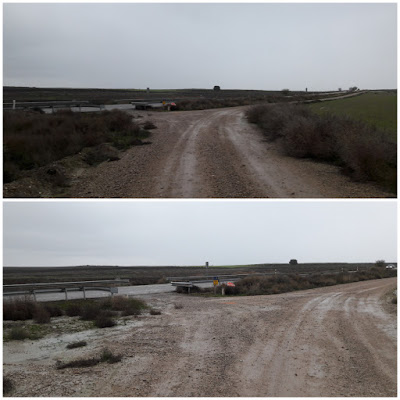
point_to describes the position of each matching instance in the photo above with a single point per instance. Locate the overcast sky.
(236, 46)
(193, 232)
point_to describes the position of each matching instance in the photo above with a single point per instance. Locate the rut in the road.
(212, 154)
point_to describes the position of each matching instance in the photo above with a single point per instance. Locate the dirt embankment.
(336, 341)
(207, 154)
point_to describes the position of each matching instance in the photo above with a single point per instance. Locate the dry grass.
(106, 356)
(33, 140)
(20, 309)
(364, 152)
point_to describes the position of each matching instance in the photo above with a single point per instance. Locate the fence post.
(14, 104)
(66, 293)
(84, 293)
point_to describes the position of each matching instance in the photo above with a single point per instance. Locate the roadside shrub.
(8, 385)
(109, 357)
(41, 315)
(104, 320)
(53, 310)
(75, 345)
(31, 140)
(364, 152)
(106, 356)
(394, 299)
(18, 333)
(128, 306)
(274, 284)
(89, 312)
(155, 312)
(73, 310)
(18, 309)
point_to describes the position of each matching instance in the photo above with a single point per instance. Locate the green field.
(375, 108)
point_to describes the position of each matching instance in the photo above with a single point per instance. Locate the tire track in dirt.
(332, 341)
(212, 154)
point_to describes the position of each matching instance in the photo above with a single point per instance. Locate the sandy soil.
(336, 341)
(203, 154)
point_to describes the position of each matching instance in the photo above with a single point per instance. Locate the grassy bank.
(32, 139)
(378, 109)
(363, 152)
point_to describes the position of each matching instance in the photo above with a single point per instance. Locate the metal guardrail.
(61, 287)
(21, 105)
(40, 284)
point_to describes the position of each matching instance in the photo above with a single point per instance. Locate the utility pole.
(207, 269)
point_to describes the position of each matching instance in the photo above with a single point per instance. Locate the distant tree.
(293, 262)
(285, 92)
(217, 88)
(353, 89)
(380, 263)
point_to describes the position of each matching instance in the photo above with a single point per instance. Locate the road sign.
(215, 281)
(230, 284)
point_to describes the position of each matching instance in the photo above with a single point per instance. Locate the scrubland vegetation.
(102, 313)
(261, 285)
(105, 357)
(32, 139)
(363, 152)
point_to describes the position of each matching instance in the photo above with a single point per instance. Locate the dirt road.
(334, 341)
(212, 153)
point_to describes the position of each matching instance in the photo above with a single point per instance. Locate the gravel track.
(333, 341)
(212, 154)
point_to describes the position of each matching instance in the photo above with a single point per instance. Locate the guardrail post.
(34, 295)
(66, 293)
(14, 104)
(84, 293)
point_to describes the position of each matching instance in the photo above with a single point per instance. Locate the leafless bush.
(18, 309)
(32, 140)
(41, 315)
(128, 306)
(73, 310)
(106, 356)
(104, 320)
(90, 311)
(363, 152)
